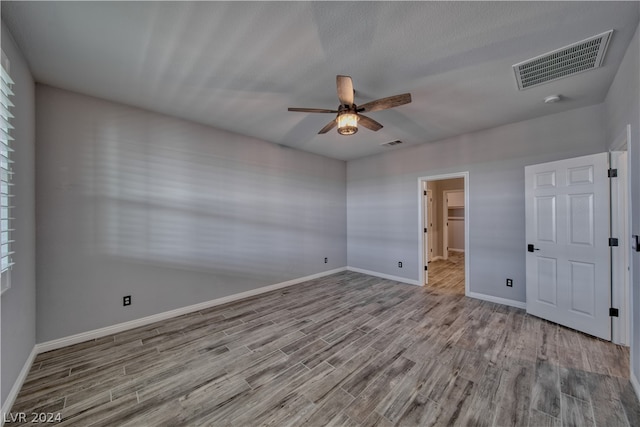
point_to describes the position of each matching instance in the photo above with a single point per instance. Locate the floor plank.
(342, 350)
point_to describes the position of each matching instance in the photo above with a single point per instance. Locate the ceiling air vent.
(566, 61)
(392, 143)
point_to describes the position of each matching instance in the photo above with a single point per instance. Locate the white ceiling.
(238, 65)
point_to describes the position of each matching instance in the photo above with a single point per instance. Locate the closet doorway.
(444, 220)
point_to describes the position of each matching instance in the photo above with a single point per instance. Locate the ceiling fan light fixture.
(348, 118)
(347, 123)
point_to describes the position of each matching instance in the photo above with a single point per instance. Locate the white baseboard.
(456, 250)
(436, 258)
(120, 327)
(17, 385)
(497, 300)
(634, 383)
(385, 276)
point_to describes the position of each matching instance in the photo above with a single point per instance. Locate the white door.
(567, 231)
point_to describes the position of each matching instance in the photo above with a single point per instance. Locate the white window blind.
(6, 173)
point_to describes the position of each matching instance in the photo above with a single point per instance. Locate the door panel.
(547, 280)
(545, 212)
(545, 179)
(581, 219)
(582, 281)
(580, 175)
(567, 222)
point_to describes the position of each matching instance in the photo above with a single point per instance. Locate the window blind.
(6, 172)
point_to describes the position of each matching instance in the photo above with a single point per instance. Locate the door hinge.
(426, 268)
(613, 241)
(612, 173)
(613, 312)
(425, 192)
(425, 229)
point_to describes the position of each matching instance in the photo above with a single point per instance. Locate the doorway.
(444, 230)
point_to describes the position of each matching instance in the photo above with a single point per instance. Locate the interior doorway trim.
(421, 247)
(429, 209)
(622, 265)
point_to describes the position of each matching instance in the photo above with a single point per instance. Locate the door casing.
(422, 276)
(622, 267)
(428, 202)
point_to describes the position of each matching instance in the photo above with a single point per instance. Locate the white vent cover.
(566, 61)
(389, 144)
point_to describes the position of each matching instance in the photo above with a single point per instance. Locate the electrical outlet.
(510, 283)
(126, 300)
(399, 264)
(326, 260)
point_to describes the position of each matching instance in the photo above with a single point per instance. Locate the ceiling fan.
(348, 113)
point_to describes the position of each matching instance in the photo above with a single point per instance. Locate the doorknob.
(530, 248)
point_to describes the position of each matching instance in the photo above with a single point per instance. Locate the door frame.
(421, 186)
(427, 200)
(429, 214)
(621, 327)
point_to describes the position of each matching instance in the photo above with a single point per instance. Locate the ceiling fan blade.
(329, 126)
(369, 123)
(345, 90)
(312, 110)
(385, 103)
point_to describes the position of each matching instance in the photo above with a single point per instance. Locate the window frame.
(6, 173)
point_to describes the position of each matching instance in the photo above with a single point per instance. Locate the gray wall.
(18, 329)
(382, 195)
(622, 108)
(171, 212)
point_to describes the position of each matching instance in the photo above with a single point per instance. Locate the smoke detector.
(576, 58)
(392, 143)
(552, 99)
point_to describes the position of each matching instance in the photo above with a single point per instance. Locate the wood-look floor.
(447, 275)
(344, 350)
